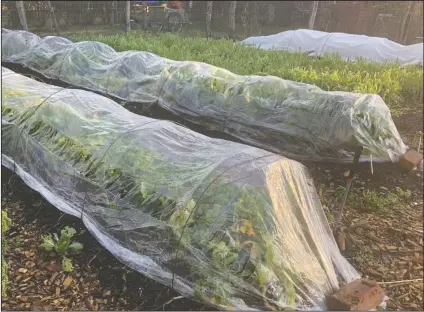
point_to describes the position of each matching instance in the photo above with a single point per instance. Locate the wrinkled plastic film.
(298, 120)
(231, 225)
(349, 47)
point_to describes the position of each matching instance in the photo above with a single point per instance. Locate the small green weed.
(6, 223)
(402, 193)
(63, 246)
(369, 200)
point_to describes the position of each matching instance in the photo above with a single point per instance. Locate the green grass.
(401, 89)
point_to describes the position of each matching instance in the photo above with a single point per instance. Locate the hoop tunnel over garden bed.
(228, 224)
(298, 120)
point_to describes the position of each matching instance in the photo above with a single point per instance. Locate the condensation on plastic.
(232, 225)
(298, 120)
(349, 47)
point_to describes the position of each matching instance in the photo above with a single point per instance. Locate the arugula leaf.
(67, 265)
(48, 243)
(75, 248)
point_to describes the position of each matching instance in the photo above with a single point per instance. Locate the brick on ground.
(359, 295)
(410, 160)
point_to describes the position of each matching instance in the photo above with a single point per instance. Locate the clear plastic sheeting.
(347, 46)
(130, 76)
(298, 120)
(232, 225)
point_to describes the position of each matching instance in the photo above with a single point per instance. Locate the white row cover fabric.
(347, 46)
(228, 224)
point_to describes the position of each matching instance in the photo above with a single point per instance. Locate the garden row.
(298, 120)
(401, 88)
(228, 224)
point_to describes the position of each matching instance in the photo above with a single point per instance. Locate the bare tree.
(244, 18)
(208, 18)
(270, 16)
(21, 12)
(254, 22)
(313, 14)
(128, 17)
(53, 16)
(399, 36)
(146, 21)
(232, 19)
(407, 21)
(190, 6)
(113, 12)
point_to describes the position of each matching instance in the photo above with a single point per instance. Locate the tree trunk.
(190, 6)
(105, 17)
(208, 19)
(53, 15)
(407, 22)
(313, 14)
(146, 18)
(232, 19)
(128, 17)
(254, 22)
(399, 37)
(21, 12)
(270, 14)
(244, 19)
(113, 12)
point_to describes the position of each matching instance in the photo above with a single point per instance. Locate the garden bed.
(298, 120)
(204, 216)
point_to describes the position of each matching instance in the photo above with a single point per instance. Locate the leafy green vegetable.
(63, 246)
(67, 265)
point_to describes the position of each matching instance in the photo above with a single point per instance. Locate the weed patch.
(6, 223)
(373, 201)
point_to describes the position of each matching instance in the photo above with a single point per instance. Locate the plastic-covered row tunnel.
(231, 225)
(297, 120)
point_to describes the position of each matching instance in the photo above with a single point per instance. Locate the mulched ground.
(385, 245)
